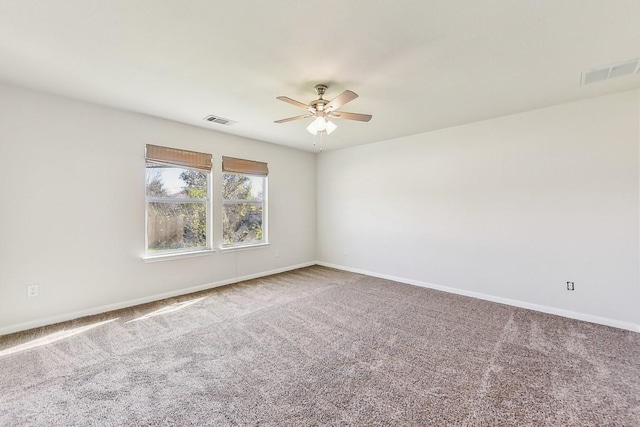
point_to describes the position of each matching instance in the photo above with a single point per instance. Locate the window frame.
(265, 236)
(206, 201)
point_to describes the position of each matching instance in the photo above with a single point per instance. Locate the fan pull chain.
(315, 137)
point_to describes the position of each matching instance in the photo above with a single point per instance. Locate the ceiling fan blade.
(340, 100)
(293, 118)
(293, 102)
(351, 116)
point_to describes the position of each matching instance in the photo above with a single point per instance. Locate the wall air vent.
(610, 71)
(220, 120)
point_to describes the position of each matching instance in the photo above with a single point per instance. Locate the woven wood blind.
(178, 157)
(230, 164)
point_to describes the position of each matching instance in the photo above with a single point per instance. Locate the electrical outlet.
(33, 291)
(277, 254)
(571, 286)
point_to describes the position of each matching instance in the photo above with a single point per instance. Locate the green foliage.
(172, 225)
(242, 222)
(155, 186)
(194, 180)
(183, 223)
(235, 186)
(195, 214)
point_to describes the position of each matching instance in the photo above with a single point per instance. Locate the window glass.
(177, 208)
(175, 182)
(243, 210)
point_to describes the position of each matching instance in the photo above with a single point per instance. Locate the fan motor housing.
(318, 105)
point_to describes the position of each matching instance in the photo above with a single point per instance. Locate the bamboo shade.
(251, 167)
(179, 157)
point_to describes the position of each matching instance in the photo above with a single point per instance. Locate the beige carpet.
(318, 346)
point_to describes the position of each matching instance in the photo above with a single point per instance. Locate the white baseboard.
(542, 308)
(144, 300)
(125, 304)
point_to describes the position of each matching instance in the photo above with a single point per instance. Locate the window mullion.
(240, 202)
(174, 200)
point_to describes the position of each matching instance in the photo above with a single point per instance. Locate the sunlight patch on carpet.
(51, 338)
(166, 310)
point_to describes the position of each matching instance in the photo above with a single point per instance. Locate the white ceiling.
(417, 65)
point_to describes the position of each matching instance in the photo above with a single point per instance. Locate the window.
(244, 195)
(178, 210)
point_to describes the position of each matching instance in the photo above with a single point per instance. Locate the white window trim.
(245, 247)
(167, 256)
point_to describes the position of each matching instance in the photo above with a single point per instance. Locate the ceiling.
(417, 65)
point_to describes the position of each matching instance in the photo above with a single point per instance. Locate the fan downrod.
(318, 105)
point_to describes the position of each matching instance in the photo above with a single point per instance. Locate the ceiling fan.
(324, 110)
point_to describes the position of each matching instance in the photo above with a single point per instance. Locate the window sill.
(177, 255)
(244, 247)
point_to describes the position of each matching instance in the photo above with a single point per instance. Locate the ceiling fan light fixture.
(331, 127)
(323, 110)
(328, 126)
(312, 128)
(320, 123)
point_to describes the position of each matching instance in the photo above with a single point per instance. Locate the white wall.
(508, 209)
(72, 208)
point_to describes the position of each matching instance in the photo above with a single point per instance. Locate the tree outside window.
(177, 195)
(243, 200)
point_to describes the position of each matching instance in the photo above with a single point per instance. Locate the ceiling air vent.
(220, 120)
(610, 72)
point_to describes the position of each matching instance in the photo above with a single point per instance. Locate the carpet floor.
(317, 346)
